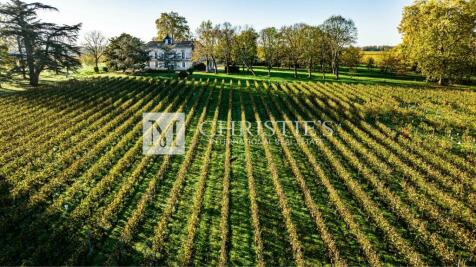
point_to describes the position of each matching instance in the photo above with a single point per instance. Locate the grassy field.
(376, 55)
(360, 75)
(389, 181)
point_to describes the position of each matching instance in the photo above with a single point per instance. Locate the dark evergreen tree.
(42, 45)
(126, 52)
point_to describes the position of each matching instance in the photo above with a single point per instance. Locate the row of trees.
(293, 46)
(439, 40)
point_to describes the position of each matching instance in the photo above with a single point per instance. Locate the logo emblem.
(163, 133)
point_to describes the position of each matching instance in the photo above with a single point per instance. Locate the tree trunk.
(22, 59)
(269, 70)
(323, 71)
(309, 75)
(214, 65)
(442, 81)
(248, 67)
(32, 74)
(227, 66)
(337, 71)
(34, 78)
(96, 61)
(295, 70)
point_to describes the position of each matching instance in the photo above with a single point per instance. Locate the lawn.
(360, 75)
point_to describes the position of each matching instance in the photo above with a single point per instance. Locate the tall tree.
(173, 25)
(245, 47)
(207, 40)
(312, 44)
(293, 43)
(341, 33)
(44, 45)
(126, 52)
(439, 36)
(226, 34)
(269, 42)
(95, 44)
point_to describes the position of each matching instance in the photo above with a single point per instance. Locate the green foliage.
(341, 32)
(172, 25)
(314, 49)
(226, 34)
(183, 74)
(351, 57)
(206, 44)
(392, 61)
(246, 49)
(292, 43)
(41, 45)
(6, 62)
(269, 45)
(370, 62)
(439, 35)
(126, 52)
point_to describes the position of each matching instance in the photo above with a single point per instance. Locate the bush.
(190, 71)
(105, 69)
(233, 69)
(199, 67)
(183, 75)
(154, 71)
(96, 69)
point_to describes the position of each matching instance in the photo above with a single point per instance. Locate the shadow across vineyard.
(77, 190)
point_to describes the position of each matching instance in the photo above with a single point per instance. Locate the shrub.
(190, 71)
(183, 75)
(233, 68)
(199, 67)
(105, 69)
(96, 69)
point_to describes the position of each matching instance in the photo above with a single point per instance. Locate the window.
(183, 64)
(156, 64)
(183, 53)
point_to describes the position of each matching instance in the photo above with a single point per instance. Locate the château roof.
(181, 44)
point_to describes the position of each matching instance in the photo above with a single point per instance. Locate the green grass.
(360, 75)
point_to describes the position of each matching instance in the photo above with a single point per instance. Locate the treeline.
(295, 46)
(325, 46)
(376, 48)
(439, 41)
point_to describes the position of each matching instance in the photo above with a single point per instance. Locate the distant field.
(392, 182)
(376, 55)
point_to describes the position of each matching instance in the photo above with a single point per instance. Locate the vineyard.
(389, 180)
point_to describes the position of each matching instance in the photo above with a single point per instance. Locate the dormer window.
(168, 40)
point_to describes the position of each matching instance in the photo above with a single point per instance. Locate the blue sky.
(376, 20)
